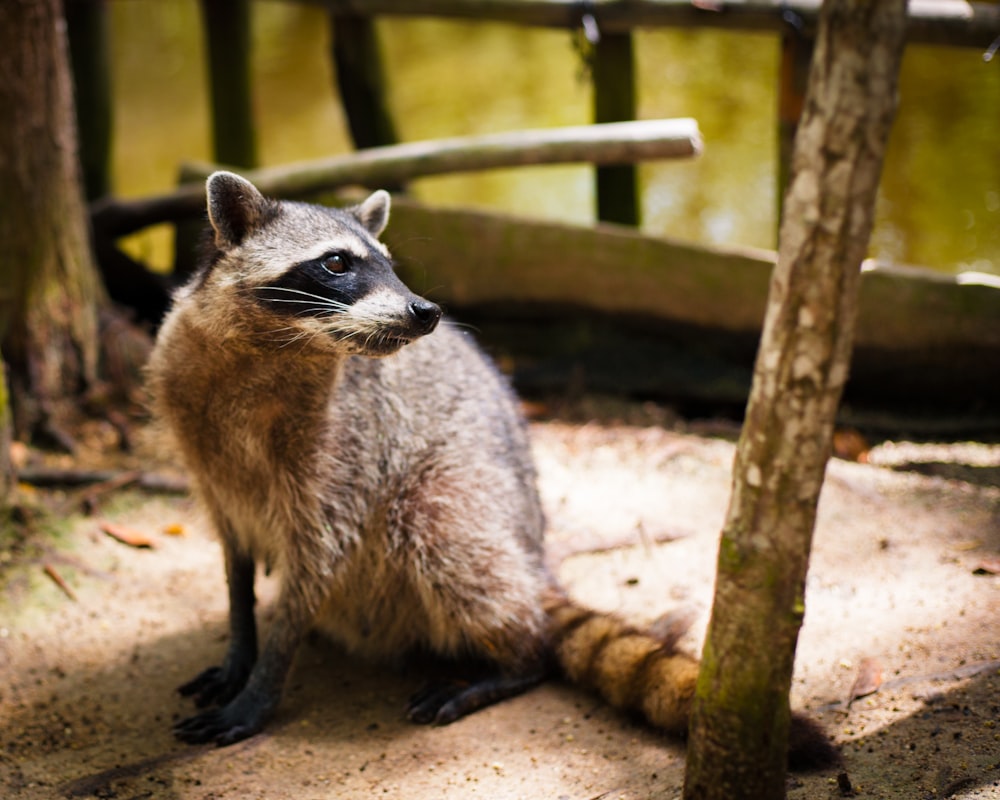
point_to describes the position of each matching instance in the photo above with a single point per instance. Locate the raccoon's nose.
(426, 314)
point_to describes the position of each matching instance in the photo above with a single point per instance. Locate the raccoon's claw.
(445, 702)
(216, 685)
(424, 706)
(212, 726)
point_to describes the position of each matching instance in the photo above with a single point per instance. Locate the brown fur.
(394, 495)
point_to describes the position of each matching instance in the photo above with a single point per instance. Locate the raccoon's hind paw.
(444, 702)
(216, 685)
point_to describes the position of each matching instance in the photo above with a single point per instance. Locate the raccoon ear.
(235, 208)
(373, 213)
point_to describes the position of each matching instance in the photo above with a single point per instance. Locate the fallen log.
(609, 309)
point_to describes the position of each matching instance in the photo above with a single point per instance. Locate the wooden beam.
(951, 22)
(614, 143)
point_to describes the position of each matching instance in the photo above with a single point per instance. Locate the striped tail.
(631, 670)
(640, 672)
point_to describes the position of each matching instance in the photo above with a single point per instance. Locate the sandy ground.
(88, 698)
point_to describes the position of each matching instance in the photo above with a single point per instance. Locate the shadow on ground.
(89, 692)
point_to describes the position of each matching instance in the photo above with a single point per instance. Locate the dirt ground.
(897, 590)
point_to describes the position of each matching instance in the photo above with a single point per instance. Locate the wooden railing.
(609, 24)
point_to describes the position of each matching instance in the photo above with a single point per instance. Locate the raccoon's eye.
(335, 263)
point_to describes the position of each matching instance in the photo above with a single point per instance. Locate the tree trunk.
(6, 467)
(51, 289)
(739, 726)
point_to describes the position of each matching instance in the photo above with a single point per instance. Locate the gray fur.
(395, 496)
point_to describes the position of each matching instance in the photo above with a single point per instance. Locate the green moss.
(730, 554)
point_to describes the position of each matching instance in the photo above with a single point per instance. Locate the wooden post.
(234, 134)
(227, 39)
(360, 81)
(87, 27)
(614, 101)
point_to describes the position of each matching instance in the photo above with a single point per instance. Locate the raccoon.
(374, 458)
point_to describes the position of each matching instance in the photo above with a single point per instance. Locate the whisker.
(317, 302)
(455, 324)
(310, 298)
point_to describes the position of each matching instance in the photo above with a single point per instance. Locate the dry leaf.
(129, 536)
(850, 445)
(534, 409)
(174, 529)
(868, 681)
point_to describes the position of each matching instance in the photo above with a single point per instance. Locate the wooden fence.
(607, 25)
(635, 314)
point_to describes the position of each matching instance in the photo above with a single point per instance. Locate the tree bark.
(51, 289)
(739, 727)
(6, 467)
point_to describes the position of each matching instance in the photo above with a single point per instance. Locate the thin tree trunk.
(739, 726)
(51, 289)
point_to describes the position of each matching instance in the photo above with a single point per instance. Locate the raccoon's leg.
(446, 701)
(221, 684)
(245, 714)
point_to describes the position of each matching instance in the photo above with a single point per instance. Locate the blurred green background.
(939, 204)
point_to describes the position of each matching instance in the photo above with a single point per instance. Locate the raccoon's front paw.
(240, 719)
(216, 685)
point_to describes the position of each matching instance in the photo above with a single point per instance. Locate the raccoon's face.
(312, 276)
